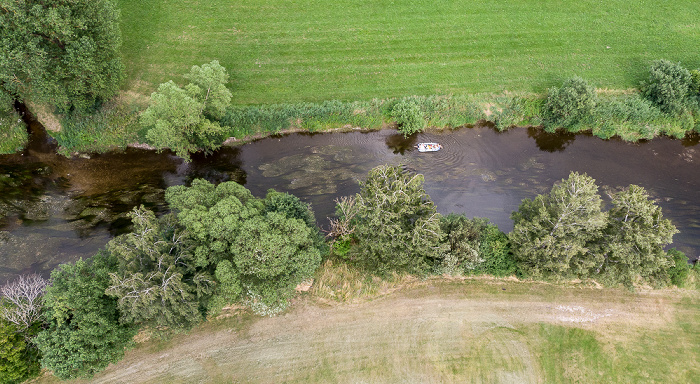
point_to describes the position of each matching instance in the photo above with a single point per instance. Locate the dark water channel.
(54, 209)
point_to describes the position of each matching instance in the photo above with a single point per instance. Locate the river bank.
(622, 113)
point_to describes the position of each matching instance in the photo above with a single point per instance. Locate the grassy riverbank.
(438, 330)
(278, 51)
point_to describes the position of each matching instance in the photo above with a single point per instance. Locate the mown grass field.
(439, 331)
(314, 50)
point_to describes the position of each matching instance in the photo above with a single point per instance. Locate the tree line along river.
(54, 209)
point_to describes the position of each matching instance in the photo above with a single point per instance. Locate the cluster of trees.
(219, 245)
(392, 225)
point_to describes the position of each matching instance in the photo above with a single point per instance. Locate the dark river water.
(54, 209)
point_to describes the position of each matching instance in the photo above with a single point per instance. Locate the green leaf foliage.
(408, 115)
(396, 226)
(566, 234)
(273, 254)
(157, 282)
(212, 216)
(668, 86)
(260, 248)
(569, 105)
(495, 251)
(208, 85)
(635, 239)
(82, 334)
(552, 234)
(179, 118)
(680, 269)
(61, 52)
(462, 236)
(174, 120)
(475, 246)
(18, 361)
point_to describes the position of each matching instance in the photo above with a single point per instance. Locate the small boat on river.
(428, 147)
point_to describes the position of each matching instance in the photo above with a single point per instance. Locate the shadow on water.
(399, 144)
(551, 142)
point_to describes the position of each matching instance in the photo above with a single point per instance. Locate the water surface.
(54, 209)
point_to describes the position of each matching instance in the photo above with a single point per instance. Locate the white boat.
(428, 147)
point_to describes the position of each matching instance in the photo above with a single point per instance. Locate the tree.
(212, 216)
(570, 104)
(668, 86)
(396, 225)
(408, 116)
(22, 301)
(208, 85)
(273, 254)
(553, 233)
(18, 361)
(635, 239)
(82, 334)
(61, 52)
(260, 249)
(157, 282)
(179, 118)
(462, 236)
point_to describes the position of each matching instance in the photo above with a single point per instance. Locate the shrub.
(408, 115)
(569, 105)
(695, 82)
(668, 86)
(462, 237)
(495, 252)
(13, 131)
(83, 334)
(18, 361)
(680, 269)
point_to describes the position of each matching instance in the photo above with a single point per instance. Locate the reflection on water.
(54, 209)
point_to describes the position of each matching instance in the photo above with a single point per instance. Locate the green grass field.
(313, 50)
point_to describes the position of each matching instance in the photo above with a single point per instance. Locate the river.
(54, 209)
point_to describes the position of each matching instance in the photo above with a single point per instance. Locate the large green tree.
(157, 282)
(259, 249)
(61, 52)
(635, 238)
(397, 225)
(552, 234)
(184, 120)
(83, 334)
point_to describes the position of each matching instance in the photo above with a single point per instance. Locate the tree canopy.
(259, 249)
(61, 52)
(397, 225)
(184, 120)
(157, 282)
(552, 233)
(566, 233)
(83, 334)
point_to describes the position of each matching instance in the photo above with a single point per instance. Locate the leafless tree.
(22, 300)
(342, 225)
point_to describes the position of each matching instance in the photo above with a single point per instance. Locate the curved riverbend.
(54, 209)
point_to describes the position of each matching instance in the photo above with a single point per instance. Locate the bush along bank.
(667, 103)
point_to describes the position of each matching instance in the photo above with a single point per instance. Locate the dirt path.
(434, 333)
